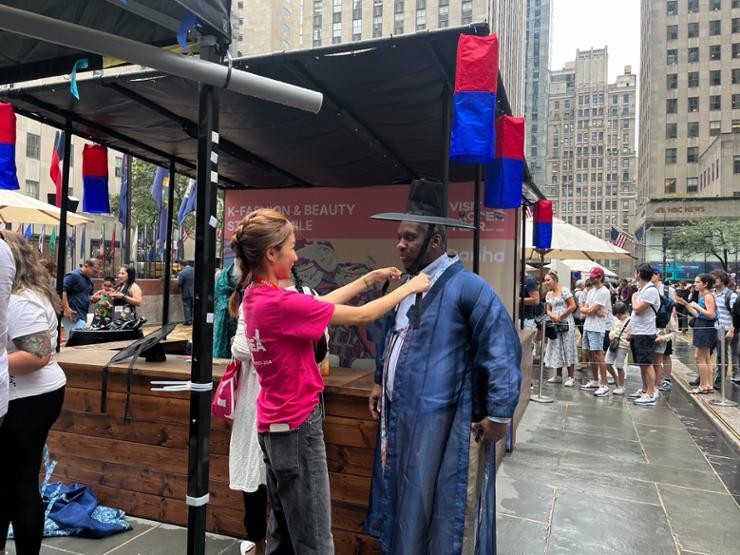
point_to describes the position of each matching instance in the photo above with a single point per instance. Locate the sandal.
(700, 391)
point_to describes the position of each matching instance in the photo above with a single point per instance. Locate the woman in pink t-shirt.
(281, 328)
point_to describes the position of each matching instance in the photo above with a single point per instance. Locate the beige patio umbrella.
(572, 243)
(17, 208)
(585, 266)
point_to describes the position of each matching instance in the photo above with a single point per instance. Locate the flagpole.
(62, 239)
(126, 232)
(168, 245)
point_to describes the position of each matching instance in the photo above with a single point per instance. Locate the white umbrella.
(16, 208)
(570, 242)
(584, 266)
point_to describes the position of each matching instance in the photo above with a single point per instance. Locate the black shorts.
(668, 348)
(643, 349)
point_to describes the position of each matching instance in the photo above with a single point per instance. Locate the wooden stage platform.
(141, 466)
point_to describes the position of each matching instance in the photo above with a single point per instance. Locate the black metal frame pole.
(476, 220)
(167, 278)
(127, 259)
(523, 268)
(205, 252)
(446, 127)
(62, 238)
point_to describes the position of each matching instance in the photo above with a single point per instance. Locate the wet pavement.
(601, 475)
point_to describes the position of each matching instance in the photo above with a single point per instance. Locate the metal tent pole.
(127, 259)
(62, 238)
(539, 398)
(723, 401)
(168, 246)
(524, 269)
(205, 253)
(476, 220)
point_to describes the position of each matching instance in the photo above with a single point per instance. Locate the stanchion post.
(539, 398)
(722, 366)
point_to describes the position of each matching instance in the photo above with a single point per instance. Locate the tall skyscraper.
(537, 84)
(689, 116)
(591, 159)
(263, 26)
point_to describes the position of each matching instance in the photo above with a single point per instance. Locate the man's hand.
(68, 314)
(730, 333)
(374, 401)
(488, 431)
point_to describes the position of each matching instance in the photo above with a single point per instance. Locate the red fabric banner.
(510, 138)
(477, 64)
(95, 161)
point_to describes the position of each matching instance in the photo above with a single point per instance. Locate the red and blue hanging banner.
(8, 176)
(505, 175)
(95, 180)
(542, 225)
(472, 138)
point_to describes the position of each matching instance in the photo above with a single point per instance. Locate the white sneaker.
(570, 382)
(591, 384)
(555, 379)
(637, 394)
(618, 391)
(645, 400)
(603, 391)
(245, 547)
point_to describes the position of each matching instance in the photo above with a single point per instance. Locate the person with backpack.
(725, 299)
(643, 329)
(667, 325)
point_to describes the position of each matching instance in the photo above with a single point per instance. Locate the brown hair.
(256, 233)
(553, 275)
(29, 272)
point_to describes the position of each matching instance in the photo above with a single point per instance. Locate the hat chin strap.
(415, 269)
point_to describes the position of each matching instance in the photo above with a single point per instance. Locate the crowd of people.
(636, 321)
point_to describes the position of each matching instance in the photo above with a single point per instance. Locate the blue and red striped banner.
(542, 225)
(505, 175)
(8, 176)
(95, 180)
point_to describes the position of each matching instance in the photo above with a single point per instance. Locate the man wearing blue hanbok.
(447, 384)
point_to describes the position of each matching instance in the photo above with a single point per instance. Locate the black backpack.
(663, 314)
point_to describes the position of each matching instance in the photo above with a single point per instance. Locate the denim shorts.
(593, 340)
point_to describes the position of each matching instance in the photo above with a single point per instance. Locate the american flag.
(618, 237)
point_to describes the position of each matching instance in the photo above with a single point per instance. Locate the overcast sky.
(582, 24)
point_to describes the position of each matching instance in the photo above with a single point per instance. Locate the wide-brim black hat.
(425, 206)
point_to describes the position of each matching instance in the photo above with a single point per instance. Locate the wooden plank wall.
(141, 467)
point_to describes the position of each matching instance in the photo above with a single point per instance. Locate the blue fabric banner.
(473, 137)
(95, 195)
(504, 178)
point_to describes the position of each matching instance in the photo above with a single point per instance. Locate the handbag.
(614, 343)
(551, 330)
(223, 404)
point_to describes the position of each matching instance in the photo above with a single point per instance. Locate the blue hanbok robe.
(460, 365)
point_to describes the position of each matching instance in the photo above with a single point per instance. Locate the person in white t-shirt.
(36, 395)
(596, 309)
(7, 272)
(645, 305)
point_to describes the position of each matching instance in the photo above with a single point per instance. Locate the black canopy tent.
(385, 120)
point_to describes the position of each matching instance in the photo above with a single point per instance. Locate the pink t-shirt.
(281, 327)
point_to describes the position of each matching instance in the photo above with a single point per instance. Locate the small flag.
(57, 155)
(618, 237)
(187, 204)
(113, 244)
(42, 236)
(28, 233)
(158, 186)
(472, 138)
(542, 224)
(53, 243)
(8, 176)
(101, 246)
(125, 178)
(95, 180)
(82, 243)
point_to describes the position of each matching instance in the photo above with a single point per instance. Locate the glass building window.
(669, 185)
(33, 146)
(693, 30)
(736, 24)
(670, 155)
(735, 101)
(671, 7)
(421, 20)
(671, 81)
(736, 51)
(736, 75)
(715, 5)
(692, 129)
(692, 155)
(693, 6)
(715, 52)
(715, 77)
(693, 104)
(444, 16)
(671, 56)
(671, 32)
(671, 130)
(715, 27)
(714, 127)
(693, 79)
(32, 189)
(715, 102)
(692, 184)
(693, 55)
(671, 106)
